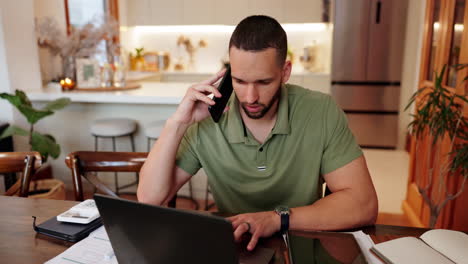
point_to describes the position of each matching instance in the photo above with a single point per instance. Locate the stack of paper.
(365, 243)
(96, 248)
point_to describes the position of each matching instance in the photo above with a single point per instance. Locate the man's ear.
(286, 71)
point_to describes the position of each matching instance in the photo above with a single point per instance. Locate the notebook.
(436, 246)
(66, 231)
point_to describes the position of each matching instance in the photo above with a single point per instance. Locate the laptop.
(142, 233)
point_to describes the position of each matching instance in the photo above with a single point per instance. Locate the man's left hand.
(262, 224)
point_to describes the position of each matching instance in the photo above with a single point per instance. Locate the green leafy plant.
(439, 117)
(139, 52)
(43, 143)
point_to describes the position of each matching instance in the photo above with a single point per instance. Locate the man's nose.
(252, 94)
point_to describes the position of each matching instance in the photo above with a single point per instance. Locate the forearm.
(157, 179)
(339, 210)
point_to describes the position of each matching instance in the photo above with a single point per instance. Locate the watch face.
(282, 209)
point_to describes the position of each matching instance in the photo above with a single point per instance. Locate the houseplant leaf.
(57, 104)
(22, 103)
(14, 130)
(33, 115)
(45, 144)
(23, 97)
(13, 99)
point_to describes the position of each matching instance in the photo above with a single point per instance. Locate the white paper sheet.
(365, 243)
(96, 248)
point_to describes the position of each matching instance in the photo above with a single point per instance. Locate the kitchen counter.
(170, 91)
(148, 93)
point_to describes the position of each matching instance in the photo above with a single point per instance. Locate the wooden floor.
(184, 203)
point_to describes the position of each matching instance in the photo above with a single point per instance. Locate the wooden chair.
(25, 162)
(82, 163)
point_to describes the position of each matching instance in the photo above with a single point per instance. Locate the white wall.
(19, 59)
(411, 63)
(20, 44)
(6, 110)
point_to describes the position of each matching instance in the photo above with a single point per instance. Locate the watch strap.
(284, 222)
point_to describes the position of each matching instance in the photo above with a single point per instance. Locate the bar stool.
(113, 128)
(152, 133)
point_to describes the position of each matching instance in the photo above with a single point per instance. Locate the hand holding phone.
(225, 88)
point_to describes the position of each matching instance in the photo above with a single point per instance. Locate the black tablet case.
(66, 231)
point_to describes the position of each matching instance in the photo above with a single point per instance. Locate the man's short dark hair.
(257, 33)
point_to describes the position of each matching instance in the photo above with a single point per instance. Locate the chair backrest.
(25, 162)
(83, 162)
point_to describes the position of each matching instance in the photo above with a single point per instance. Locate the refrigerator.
(367, 56)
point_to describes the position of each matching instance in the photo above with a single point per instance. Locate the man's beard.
(264, 108)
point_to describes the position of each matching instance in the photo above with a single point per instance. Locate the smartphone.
(225, 88)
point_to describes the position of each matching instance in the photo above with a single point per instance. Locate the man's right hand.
(194, 105)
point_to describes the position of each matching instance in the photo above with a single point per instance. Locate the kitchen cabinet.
(302, 11)
(199, 12)
(167, 12)
(224, 12)
(138, 13)
(273, 8)
(228, 12)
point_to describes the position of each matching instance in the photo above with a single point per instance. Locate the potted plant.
(45, 144)
(137, 62)
(42, 143)
(439, 118)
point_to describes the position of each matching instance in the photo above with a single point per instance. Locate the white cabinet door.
(165, 12)
(229, 12)
(198, 12)
(302, 11)
(138, 12)
(273, 8)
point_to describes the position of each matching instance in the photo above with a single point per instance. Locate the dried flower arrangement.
(190, 48)
(81, 42)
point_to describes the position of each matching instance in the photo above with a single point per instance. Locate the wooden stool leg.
(149, 145)
(132, 141)
(116, 178)
(96, 147)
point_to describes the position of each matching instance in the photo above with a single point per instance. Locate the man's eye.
(240, 82)
(264, 82)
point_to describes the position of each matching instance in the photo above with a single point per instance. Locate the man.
(267, 155)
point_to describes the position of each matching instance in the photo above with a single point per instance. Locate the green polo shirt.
(310, 138)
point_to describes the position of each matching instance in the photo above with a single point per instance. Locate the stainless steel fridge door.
(374, 130)
(380, 98)
(387, 23)
(350, 40)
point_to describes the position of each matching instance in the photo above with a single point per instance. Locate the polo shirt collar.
(282, 119)
(235, 126)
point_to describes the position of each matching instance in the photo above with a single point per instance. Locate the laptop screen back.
(141, 233)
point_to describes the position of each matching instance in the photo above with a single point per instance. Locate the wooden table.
(19, 243)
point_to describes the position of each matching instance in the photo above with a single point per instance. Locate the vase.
(119, 74)
(69, 67)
